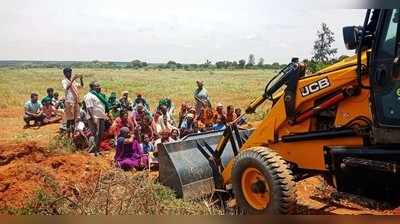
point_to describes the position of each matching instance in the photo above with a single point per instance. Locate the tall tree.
(234, 64)
(260, 63)
(136, 64)
(171, 64)
(206, 64)
(323, 50)
(275, 65)
(252, 61)
(242, 63)
(220, 64)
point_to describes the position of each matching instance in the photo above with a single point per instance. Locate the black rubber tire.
(277, 174)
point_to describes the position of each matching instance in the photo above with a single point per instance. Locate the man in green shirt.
(50, 95)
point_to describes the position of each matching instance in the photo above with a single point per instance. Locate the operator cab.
(381, 33)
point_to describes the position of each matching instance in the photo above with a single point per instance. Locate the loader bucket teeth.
(188, 166)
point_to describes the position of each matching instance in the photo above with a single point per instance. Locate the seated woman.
(129, 154)
(188, 125)
(147, 145)
(57, 102)
(182, 113)
(164, 138)
(147, 128)
(161, 121)
(50, 112)
(120, 122)
(230, 114)
(175, 134)
(141, 100)
(205, 119)
(220, 124)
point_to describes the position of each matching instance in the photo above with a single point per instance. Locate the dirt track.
(27, 166)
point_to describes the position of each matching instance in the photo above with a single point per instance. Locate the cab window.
(387, 45)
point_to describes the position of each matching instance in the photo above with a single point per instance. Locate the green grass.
(237, 87)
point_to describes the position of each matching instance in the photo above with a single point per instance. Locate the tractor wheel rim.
(255, 188)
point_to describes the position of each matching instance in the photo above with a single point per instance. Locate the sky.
(156, 31)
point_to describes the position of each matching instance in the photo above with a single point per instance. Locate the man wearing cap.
(201, 97)
(71, 110)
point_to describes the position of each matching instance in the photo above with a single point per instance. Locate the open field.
(32, 160)
(228, 87)
(236, 87)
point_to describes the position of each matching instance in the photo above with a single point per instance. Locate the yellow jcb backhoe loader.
(342, 122)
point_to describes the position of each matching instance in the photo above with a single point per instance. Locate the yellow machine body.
(309, 154)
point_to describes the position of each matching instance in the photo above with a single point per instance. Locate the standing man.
(201, 97)
(97, 106)
(71, 110)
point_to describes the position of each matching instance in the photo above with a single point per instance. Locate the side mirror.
(350, 37)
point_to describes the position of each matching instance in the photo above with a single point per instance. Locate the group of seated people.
(48, 110)
(132, 128)
(207, 119)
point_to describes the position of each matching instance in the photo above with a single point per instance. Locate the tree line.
(138, 64)
(323, 55)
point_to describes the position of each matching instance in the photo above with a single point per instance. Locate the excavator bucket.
(187, 166)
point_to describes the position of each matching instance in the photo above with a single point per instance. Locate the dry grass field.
(237, 87)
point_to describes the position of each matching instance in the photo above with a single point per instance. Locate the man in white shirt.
(97, 113)
(71, 110)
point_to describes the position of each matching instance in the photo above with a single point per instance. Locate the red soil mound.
(26, 168)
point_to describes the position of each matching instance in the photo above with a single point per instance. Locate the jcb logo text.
(315, 87)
